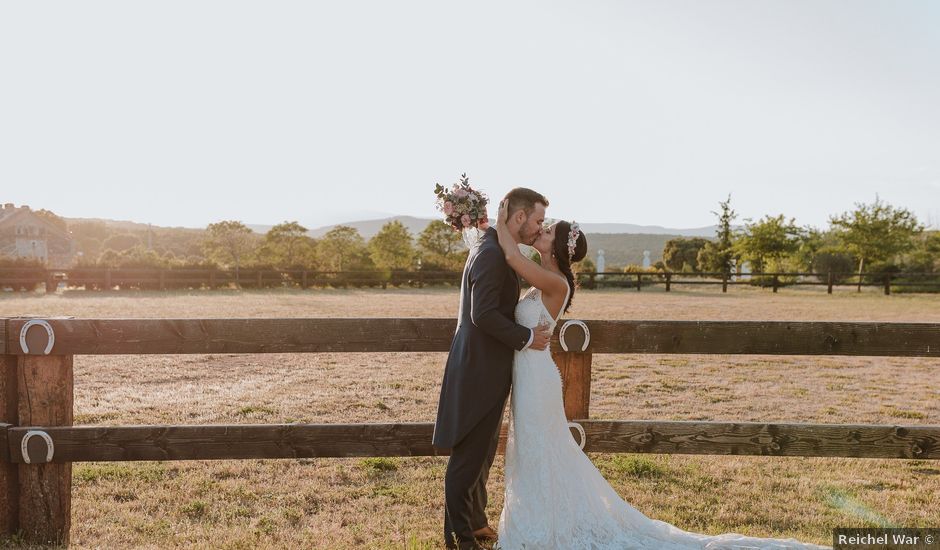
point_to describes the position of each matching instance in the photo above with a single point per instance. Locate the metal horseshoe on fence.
(49, 332)
(564, 327)
(50, 448)
(580, 429)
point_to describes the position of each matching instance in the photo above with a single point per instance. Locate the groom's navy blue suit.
(477, 380)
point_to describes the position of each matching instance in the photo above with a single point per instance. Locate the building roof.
(9, 214)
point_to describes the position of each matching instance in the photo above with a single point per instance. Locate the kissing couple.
(554, 497)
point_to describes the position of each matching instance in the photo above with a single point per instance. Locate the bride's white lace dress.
(555, 498)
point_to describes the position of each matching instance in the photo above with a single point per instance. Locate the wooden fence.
(38, 442)
(20, 278)
(774, 280)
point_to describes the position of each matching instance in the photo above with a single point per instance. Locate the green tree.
(343, 248)
(230, 243)
(681, 251)
(88, 237)
(393, 247)
(821, 253)
(586, 265)
(876, 232)
(717, 255)
(287, 245)
(768, 240)
(440, 247)
(925, 256)
(138, 256)
(121, 242)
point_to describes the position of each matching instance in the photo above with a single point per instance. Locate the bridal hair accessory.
(463, 207)
(573, 239)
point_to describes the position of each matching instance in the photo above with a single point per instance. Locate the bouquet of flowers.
(463, 207)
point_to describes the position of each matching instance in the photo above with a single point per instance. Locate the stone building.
(25, 234)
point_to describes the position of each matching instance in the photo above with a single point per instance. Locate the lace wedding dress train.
(555, 498)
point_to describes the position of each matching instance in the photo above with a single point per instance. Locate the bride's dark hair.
(560, 248)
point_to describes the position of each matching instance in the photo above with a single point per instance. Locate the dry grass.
(396, 502)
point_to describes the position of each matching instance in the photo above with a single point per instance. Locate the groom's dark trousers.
(467, 472)
(476, 385)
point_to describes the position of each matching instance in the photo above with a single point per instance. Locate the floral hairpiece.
(573, 238)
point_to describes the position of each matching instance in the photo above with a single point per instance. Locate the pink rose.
(448, 208)
(465, 219)
(461, 193)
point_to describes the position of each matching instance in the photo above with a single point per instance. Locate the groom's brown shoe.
(485, 534)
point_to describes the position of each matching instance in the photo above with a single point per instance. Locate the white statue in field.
(646, 259)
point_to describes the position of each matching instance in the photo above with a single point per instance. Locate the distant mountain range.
(622, 243)
(368, 228)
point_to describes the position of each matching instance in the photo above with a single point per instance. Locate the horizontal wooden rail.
(131, 443)
(310, 335)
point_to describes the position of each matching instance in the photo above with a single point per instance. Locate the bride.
(555, 498)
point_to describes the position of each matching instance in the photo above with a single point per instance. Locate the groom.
(478, 373)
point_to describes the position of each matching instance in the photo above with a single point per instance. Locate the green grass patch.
(94, 473)
(378, 464)
(196, 509)
(899, 413)
(638, 466)
(255, 409)
(94, 418)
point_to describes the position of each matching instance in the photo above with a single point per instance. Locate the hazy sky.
(188, 112)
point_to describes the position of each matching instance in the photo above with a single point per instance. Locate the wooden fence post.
(887, 284)
(724, 282)
(45, 499)
(776, 282)
(639, 277)
(668, 280)
(575, 368)
(829, 283)
(51, 283)
(303, 279)
(9, 473)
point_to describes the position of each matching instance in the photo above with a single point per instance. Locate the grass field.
(397, 502)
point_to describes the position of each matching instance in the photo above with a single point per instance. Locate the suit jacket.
(478, 374)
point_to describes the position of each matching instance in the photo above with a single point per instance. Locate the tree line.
(231, 244)
(873, 238)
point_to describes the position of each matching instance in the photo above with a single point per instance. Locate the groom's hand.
(542, 336)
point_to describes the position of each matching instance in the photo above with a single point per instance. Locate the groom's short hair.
(522, 198)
